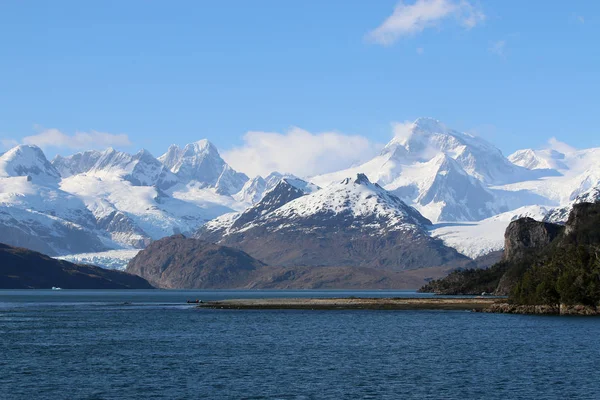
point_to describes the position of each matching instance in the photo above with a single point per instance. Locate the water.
(151, 345)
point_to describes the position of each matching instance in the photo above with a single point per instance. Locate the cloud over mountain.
(299, 152)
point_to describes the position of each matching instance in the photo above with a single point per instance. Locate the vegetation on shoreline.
(547, 265)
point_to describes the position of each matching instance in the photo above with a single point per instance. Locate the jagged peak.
(143, 153)
(360, 179)
(201, 146)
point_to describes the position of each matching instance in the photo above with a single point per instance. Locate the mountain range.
(441, 188)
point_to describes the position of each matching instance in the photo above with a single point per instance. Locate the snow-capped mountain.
(539, 159)
(29, 161)
(447, 175)
(99, 200)
(351, 222)
(35, 213)
(201, 162)
(78, 163)
(286, 190)
(577, 172)
(254, 189)
(141, 169)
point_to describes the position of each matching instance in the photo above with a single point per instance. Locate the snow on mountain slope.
(149, 212)
(445, 191)
(77, 163)
(580, 171)
(26, 160)
(141, 169)
(441, 172)
(539, 159)
(201, 162)
(255, 189)
(45, 218)
(355, 197)
(252, 191)
(475, 239)
(286, 190)
(425, 139)
(560, 215)
(111, 259)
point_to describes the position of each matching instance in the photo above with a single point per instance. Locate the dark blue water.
(148, 345)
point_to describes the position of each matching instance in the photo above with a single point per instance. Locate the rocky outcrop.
(582, 219)
(25, 269)
(526, 234)
(544, 265)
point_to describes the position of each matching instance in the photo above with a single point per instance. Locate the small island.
(352, 303)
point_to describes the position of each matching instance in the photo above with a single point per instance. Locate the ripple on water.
(159, 351)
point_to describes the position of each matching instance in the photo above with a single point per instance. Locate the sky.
(306, 86)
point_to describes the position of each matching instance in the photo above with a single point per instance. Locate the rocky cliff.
(526, 234)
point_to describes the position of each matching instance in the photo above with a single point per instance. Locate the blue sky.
(156, 72)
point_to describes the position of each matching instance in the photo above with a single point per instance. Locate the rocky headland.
(546, 268)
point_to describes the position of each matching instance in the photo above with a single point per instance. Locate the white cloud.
(562, 147)
(499, 48)
(78, 141)
(409, 19)
(299, 152)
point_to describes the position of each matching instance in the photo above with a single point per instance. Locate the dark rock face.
(25, 269)
(525, 234)
(179, 262)
(581, 217)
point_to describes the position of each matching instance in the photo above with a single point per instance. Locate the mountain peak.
(429, 124)
(361, 179)
(27, 160)
(200, 161)
(202, 146)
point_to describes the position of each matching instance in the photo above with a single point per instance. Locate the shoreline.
(465, 304)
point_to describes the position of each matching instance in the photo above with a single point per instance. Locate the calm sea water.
(150, 345)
